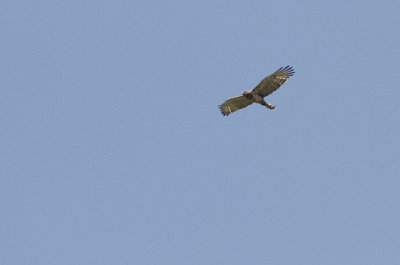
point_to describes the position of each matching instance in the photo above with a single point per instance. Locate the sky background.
(113, 150)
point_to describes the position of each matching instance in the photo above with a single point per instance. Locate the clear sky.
(113, 150)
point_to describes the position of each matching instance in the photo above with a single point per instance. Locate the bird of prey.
(264, 88)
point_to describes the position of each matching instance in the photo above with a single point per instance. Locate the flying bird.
(264, 88)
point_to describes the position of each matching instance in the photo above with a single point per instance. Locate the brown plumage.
(264, 88)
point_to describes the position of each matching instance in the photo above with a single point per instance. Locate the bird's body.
(264, 88)
(257, 99)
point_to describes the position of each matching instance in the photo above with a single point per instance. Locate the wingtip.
(222, 112)
(288, 69)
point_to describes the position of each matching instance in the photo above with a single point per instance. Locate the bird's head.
(247, 94)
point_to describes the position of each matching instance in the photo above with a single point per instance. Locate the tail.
(268, 105)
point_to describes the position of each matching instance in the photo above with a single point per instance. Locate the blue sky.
(113, 150)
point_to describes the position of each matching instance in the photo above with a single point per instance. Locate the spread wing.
(273, 82)
(234, 104)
